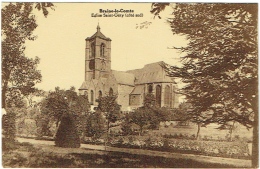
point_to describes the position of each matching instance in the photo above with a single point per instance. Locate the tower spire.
(98, 27)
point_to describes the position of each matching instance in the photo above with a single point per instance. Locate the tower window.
(91, 96)
(102, 50)
(93, 50)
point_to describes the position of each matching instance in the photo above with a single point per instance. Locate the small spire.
(98, 27)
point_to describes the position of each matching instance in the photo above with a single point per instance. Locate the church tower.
(97, 56)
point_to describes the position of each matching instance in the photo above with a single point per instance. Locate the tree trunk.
(107, 135)
(231, 131)
(57, 127)
(4, 90)
(198, 131)
(255, 148)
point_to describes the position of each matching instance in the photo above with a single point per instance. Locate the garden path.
(199, 158)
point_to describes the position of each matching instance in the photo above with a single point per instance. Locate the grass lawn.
(209, 131)
(48, 156)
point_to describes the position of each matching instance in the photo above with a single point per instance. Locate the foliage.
(126, 125)
(220, 66)
(60, 102)
(95, 125)
(109, 106)
(159, 114)
(237, 149)
(9, 130)
(150, 115)
(149, 100)
(141, 117)
(182, 112)
(19, 72)
(157, 8)
(44, 124)
(67, 135)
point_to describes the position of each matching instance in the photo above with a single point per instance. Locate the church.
(130, 86)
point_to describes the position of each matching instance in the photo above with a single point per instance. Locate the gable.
(151, 73)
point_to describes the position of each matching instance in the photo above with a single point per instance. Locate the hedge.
(238, 149)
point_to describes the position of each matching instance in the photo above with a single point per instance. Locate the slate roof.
(151, 73)
(99, 35)
(124, 77)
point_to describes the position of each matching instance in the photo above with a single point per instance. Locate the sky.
(61, 40)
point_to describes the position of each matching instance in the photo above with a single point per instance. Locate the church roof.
(138, 90)
(99, 35)
(85, 85)
(151, 73)
(124, 78)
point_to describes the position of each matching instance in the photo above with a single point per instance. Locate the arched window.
(99, 94)
(102, 50)
(110, 92)
(92, 97)
(93, 50)
(158, 95)
(167, 96)
(150, 88)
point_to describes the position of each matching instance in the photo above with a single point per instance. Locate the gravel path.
(199, 158)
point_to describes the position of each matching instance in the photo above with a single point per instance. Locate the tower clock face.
(92, 64)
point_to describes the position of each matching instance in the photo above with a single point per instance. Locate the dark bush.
(8, 126)
(67, 135)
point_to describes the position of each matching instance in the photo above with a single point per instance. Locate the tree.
(67, 135)
(181, 113)
(157, 114)
(60, 103)
(150, 114)
(109, 107)
(126, 125)
(230, 126)
(220, 65)
(141, 117)
(18, 71)
(95, 125)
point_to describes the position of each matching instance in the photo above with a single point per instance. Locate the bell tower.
(97, 56)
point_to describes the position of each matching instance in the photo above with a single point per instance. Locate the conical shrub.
(67, 135)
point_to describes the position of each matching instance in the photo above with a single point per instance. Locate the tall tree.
(220, 65)
(18, 71)
(60, 103)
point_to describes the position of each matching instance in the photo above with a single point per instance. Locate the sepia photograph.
(129, 85)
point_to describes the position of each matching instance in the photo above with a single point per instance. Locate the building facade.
(130, 86)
